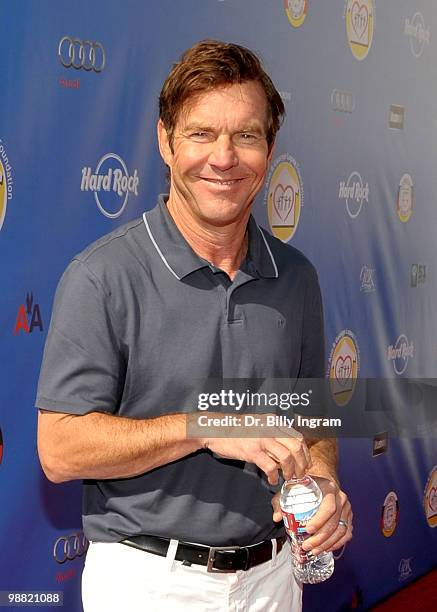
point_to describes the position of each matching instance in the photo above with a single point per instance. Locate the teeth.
(223, 182)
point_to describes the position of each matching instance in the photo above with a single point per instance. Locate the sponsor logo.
(28, 317)
(404, 205)
(81, 54)
(430, 498)
(6, 182)
(344, 362)
(404, 568)
(418, 33)
(111, 184)
(396, 117)
(296, 11)
(1, 447)
(390, 514)
(65, 576)
(354, 192)
(70, 547)
(284, 197)
(418, 275)
(70, 83)
(400, 353)
(342, 101)
(380, 444)
(367, 278)
(359, 26)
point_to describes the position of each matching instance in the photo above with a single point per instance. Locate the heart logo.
(343, 370)
(432, 500)
(359, 18)
(283, 201)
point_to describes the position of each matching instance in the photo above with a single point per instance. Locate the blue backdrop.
(351, 185)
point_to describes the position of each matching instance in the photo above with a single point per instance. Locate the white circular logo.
(354, 193)
(111, 184)
(418, 33)
(400, 354)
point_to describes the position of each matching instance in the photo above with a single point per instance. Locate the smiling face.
(219, 154)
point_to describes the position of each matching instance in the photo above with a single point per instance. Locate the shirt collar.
(180, 259)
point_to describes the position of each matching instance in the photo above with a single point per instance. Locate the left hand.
(324, 528)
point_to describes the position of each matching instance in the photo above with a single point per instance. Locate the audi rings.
(76, 53)
(69, 547)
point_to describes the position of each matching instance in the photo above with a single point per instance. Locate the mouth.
(226, 183)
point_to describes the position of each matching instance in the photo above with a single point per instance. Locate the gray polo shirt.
(139, 318)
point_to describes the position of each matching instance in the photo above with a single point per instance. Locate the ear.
(164, 143)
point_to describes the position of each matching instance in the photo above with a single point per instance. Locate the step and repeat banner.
(351, 184)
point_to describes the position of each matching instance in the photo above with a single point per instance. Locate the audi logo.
(76, 53)
(69, 547)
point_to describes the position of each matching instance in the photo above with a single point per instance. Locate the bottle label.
(295, 526)
(296, 523)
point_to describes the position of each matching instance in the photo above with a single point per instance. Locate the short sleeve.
(82, 369)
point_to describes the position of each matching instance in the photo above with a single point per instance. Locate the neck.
(225, 246)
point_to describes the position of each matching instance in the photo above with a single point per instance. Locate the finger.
(293, 456)
(277, 514)
(347, 534)
(330, 533)
(268, 466)
(326, 517)
(338, 539)
(282, 456)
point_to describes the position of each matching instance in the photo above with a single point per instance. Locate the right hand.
(285, 450)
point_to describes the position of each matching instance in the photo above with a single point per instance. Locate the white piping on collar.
(270, 253)
(167, 265)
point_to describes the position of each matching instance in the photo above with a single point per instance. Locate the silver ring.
(343, 523)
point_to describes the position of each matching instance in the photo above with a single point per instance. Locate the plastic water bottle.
(300, 499)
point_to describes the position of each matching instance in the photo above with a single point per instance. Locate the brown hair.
(209, 64)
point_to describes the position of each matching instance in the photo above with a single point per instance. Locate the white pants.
(118, 578)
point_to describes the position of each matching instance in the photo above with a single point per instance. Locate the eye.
(247, 138)
(200, 136)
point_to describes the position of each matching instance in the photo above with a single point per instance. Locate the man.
(193, 291)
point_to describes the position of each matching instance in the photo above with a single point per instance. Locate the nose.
(223, 155)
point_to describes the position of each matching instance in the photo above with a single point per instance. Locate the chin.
(224, 213)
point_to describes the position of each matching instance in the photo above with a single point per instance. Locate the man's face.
(220, 154)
